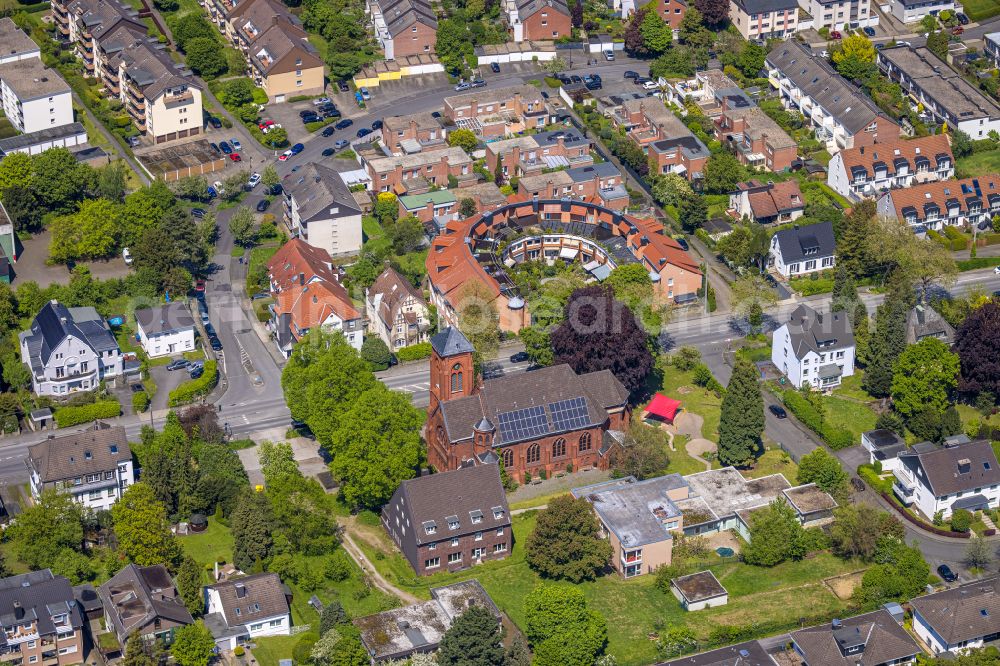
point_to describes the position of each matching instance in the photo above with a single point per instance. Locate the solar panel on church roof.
(522, 424)
(569, 414)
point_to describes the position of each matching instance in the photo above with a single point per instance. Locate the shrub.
(414, 352)
(239, 651)
(836, 438)
(140, 402)
(303, 649)
(195, 388)
(102, 409)
(961, 520)
(977, 263)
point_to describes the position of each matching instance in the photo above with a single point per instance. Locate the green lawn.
(210, 546)
(849, 415)
(371, 228)
(979, 164)
(271, 649)
(259, 256)
(979, 10)
(680, 386)
(774, 461)
(632, 607)
(680, 462)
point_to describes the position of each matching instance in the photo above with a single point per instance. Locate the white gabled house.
(815, 350)
(165, 330)
(960, 619)
(242, 609)
(955, 476)
(802, 250)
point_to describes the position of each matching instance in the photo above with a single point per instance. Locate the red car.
(235, 157)
(957, 30)
(199, 284)
(835, 34)
(266, 123)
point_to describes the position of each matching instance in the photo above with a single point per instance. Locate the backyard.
(988, 162)
(979, 10)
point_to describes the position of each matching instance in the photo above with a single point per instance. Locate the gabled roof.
(321, 194)
(923, 321)
(940, 193)
(37, 596)
(251, 598)
(812, 241)
(399, 15)
(526, 8)
(962, 613)
(766, 6)
(953, 469)
(298, 258)
(310, 305)
(137, 596)
(436, 501)
(880, 638)
(388, 293)
(813, 332)
(165, 318)
(773, 198)
(96, 450)
(931, 147)
(53, 324)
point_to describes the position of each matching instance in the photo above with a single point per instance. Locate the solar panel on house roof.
(522, 424)
(569, 414)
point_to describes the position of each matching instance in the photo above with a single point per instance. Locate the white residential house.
(955, 476)
(242, 609)
(883, 447)
(960, 619)
(815, 350)
(34, 97)
(165, 330)
(321, 210)
(840, 14)
(911, 11)
(866, 171)
(396, 312)
(69, 350)
(95, 466)
(802, 250)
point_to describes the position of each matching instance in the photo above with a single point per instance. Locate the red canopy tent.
(663, 407)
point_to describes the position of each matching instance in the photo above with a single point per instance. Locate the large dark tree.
(977, 342)
(252, 524)
(601, 333)
(714, 12)
(472, 640)
(577, 14)
(189, 582)
(565, 543)
(886, 344)
(635, 45)
(742, 419)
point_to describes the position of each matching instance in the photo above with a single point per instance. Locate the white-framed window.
(432, 563)
(499, 547)
(454, 558)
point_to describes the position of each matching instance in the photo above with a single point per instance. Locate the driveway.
(166, 381)
(287, 115)
(307, 454)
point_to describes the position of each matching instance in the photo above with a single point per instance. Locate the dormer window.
(430, 527)
(497, 512)
(452, 522)
(476, 516)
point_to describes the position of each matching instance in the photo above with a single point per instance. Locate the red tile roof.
(889, 151)
(299, 257)
(939, 193)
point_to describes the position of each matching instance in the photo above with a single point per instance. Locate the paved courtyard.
(31, 264)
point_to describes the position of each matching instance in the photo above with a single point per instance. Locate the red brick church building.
(550, 419)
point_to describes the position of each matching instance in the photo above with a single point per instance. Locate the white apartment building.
(867, 171)
(802, 250)
(814, 350)
(912, 11)
(764, 19)
(16, 44)
(94, 466)
(34, 97)
(943, 479)
(321, 210)
(840, 14)
(165, 330)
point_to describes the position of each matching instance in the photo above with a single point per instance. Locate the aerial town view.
(500, 333)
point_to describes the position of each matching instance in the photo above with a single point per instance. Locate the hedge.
(948, 241)
(871, 477)
(836, 438)
(140, 402)
(977, 263)
(102, 409)
(414, 352)
(195, 388)
(990, 239)
(809, 287)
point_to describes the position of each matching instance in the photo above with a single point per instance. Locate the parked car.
(520, 357)
(226, 148)
(177, 365)
(341, 144)
(215, 344)
(212, 193)
(327, 152)
(629, 74)
(477, 83)
(196, 372)
(262, 205)
(127, 256)
(343, 87)
(265, 124)
(215, 147)
(947, 575)
(650, 85)
(198, 212)
(957, 30)
(328, 131)
(495, 66)
(275, 190)
(346, 122)
(237, 146)
(306, 113)
(270, 127)
(235, 157)
(311, 119)
(364, 131)
(962, 18)
(835, 34)
(253, 181)
(215, 122)
(331, 113)
(779, 412)
(377, 125)
(283, 157)
(297, 148)
(462, 85)
(576, 78)
(321, 101)
(365, 95)
(869, 31)
(641, 81)
(609, 55)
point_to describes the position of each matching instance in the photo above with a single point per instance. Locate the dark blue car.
(297, 148)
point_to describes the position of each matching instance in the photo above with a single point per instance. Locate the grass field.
(987, 162)
(979, 10)
(774, 461)
(633, 607)
(271, 649)
(681, 386)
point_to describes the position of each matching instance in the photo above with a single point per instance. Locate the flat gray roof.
(636, 511)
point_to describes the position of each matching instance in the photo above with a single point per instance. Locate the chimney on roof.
(964, 466)
(18, 610)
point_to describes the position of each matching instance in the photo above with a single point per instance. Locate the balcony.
(173, 101)
(10, 655)
(21, 635)
(631, 557)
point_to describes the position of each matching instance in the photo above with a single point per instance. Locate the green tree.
(722, 173)
(141, 526)
(565, 543)
(467, 207)
(386, 209)
(692, 212)
(824, 470)
(252, 525)
(112, 181)
(269, 178)
(693, 31)
(52, 524)
(333, 615)
(961, 520)
(16, 170)
(751, 59)
(91, 233)
(924, 376)
(979, 554)
(937, 43)
(237, 92)
(140, 652)
(885, 345)
(862, 333)
(643, 454)
(464, 139)
(742, 419)
(855, 59)
(657, 36)
(857, 529)
(845, 295)
(189, 585)
(276, 137)
(561, 629)
(205, 57)
(406, 234)
(901, 573)
(192, 26)
(59, 181)
(243, 226)
(376, 353)
(537, 345)
(472, 640)
(193, 645)
(776, 535)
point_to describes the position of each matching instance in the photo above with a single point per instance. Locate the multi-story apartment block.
(17, 45)
(83, 22)
(671, 11)
(497, 112)
(403, 27)
(320, 209)
(69, 350)
(451, 520)
(759, 141)
(602, 182)
(764, 19)
(42, 623)
(34, 97)
(279, 57)
(911, 11)
(867, 171)
(531, 154)
(840, 14)
(396, 311)
(413, 133)
(94, 466)
(814, 350)
(840, 114)
(536, 20)
(942, 91)
(419, 172)
(766, 203)
(671, 146)
(952, 202)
